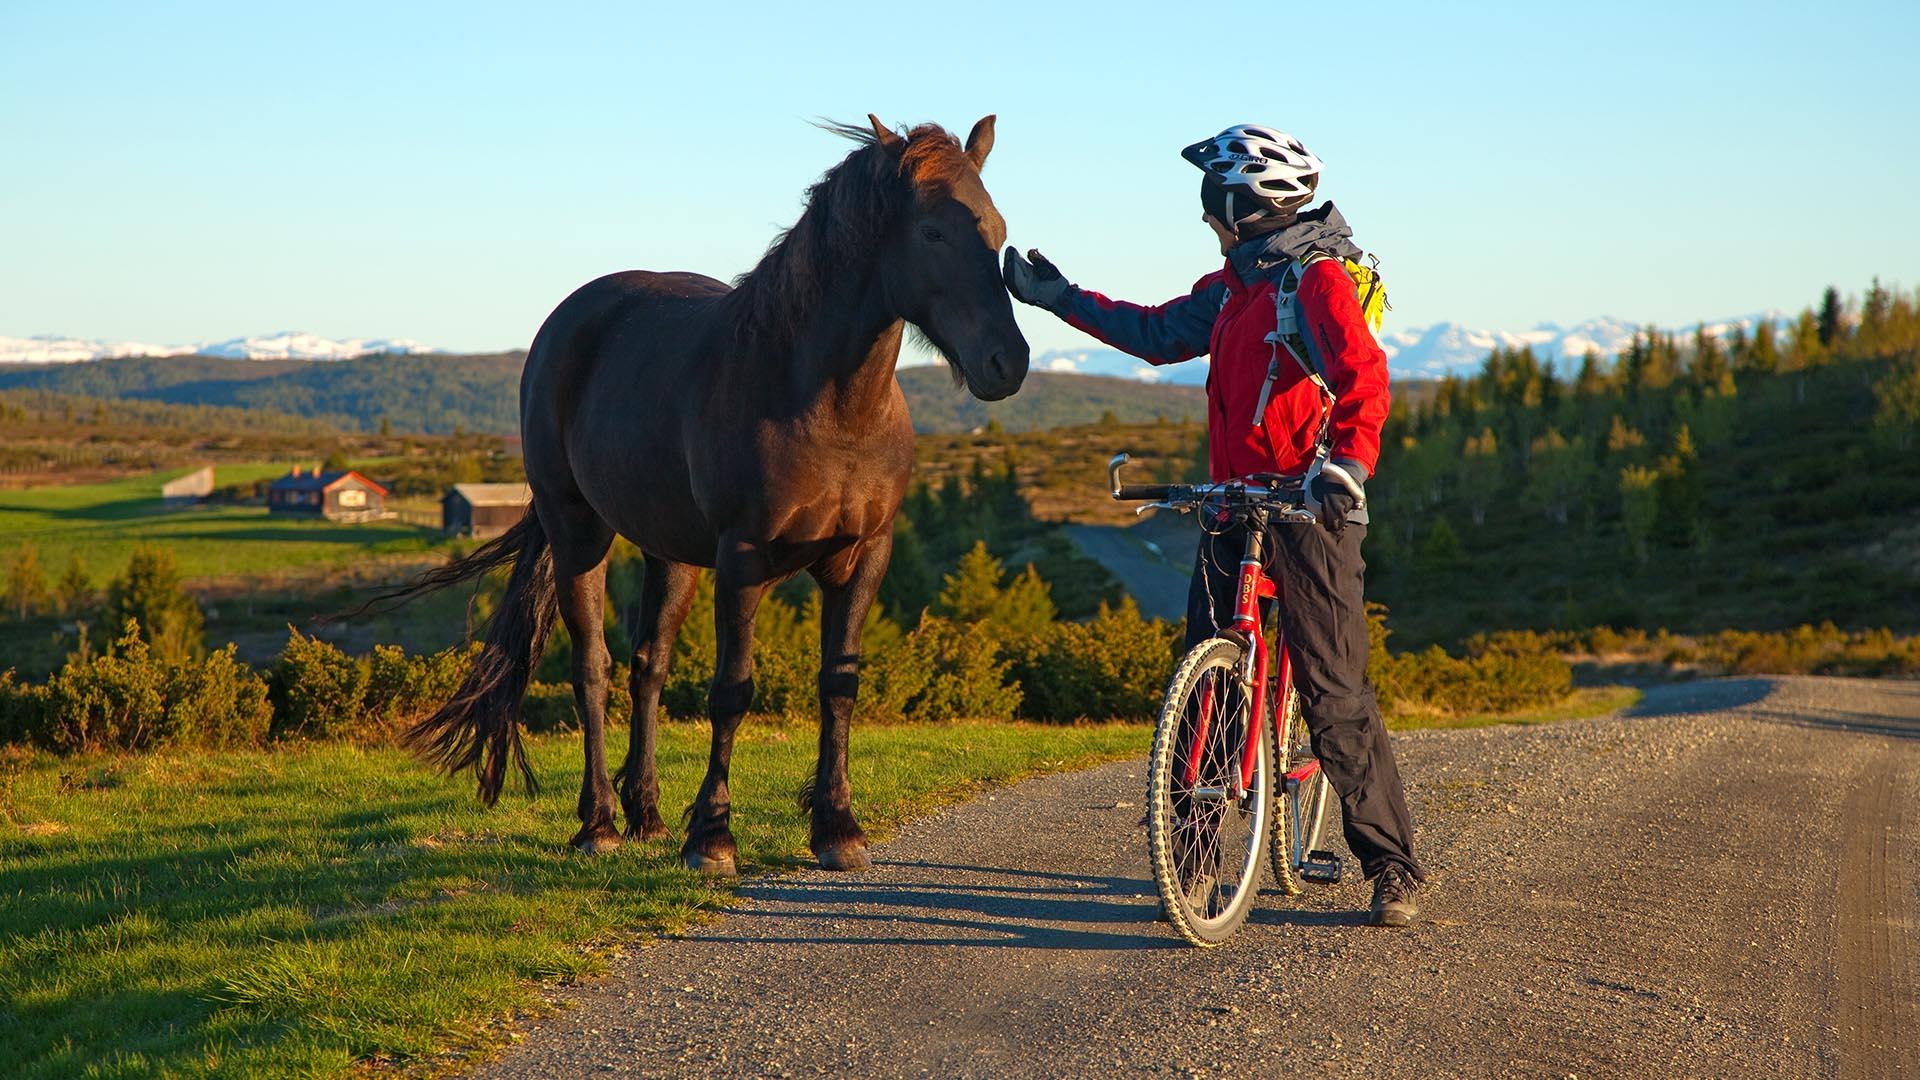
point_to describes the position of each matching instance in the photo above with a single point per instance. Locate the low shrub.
(318, 691)
(402, 690)
(549, 706)
(1114, 666)
(943, 670)
(116, 700)
(219, 702)
(127, 698)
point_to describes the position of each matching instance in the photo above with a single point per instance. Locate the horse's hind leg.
(666, 592)
(580, 572)
(846, 592)
(739, 581)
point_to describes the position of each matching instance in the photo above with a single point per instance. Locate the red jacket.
(1228, 318)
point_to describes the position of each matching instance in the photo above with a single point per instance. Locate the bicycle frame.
(1253, 587)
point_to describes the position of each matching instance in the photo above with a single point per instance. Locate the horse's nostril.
(997, 364)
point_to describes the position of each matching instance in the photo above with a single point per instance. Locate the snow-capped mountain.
(1421, 353)
(286, 345)
(1424, 353)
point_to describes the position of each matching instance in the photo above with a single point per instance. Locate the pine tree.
(1681, 495)
(1639, 507)
(910, 585)
(1761, 353)
(74, 589)
(1896, 416)
(26, 592)
(971, 591)
(150, 593)
(1479, 473)
(1830, 323)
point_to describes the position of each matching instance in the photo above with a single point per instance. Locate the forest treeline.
(1756, 479)
(445, 395)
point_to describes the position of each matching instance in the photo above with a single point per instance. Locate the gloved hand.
(1335, 491)
(1038, 282)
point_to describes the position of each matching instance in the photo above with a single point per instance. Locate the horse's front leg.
(739, 580)
(846, 593)
(666, 592)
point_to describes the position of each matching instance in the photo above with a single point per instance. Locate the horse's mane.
(847, 211)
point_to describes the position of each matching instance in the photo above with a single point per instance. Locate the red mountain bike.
(1212, 819)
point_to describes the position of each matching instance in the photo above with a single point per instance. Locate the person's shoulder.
(1216, 279)
(1324, 273)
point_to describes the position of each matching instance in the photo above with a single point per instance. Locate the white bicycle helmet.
(1271, 166)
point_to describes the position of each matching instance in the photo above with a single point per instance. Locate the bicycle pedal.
(1322, 868)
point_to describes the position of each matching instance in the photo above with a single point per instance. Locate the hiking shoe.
(1393, 903)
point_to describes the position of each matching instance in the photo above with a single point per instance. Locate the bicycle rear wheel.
(1300, 809)
(1206, 826)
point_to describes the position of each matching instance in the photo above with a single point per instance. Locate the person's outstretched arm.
(1167, 333)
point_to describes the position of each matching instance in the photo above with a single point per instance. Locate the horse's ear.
(885, 135)
(980, 141)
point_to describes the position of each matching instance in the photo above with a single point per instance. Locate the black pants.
(1323, 614)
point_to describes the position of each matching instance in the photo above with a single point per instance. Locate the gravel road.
(1723, 881)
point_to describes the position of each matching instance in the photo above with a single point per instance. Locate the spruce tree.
(75, 589)
(150, 593)
(26, 592)
(1829, 325)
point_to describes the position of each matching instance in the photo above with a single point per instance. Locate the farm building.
(189, 489)
(336, 496)
(483, 510)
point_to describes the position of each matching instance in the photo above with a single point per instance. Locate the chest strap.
(1290, 334)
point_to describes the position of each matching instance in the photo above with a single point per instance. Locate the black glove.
(1335, 491)
(1038, 282)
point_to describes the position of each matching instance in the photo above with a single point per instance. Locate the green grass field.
(103, 523)
(296, 911)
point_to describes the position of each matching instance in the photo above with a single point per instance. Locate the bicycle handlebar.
(1291, 498)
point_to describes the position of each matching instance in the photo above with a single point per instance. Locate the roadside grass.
(1583, 702)
(101, 524)
(308, 910)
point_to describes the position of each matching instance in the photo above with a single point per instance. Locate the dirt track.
(1723, 882)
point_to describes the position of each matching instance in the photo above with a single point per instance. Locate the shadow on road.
(1740, 696)
(1712, 695)
(975, 906)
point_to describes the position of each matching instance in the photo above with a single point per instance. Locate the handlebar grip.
(1143, 492)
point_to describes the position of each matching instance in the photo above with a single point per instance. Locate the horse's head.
(940, 262)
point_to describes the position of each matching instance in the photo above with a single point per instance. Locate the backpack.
(1290, 325)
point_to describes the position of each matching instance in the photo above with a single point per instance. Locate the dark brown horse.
(757, 430)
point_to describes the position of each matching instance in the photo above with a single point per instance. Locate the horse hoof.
(850, 857)
(708, 865)
(596, 841)
(655, 831)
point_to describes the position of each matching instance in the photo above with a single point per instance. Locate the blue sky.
(179, 172)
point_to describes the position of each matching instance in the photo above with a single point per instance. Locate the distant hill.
(441, 394)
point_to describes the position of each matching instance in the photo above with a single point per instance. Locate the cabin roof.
(494, 494)
(322, 481)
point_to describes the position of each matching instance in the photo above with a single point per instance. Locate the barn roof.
(494, 494)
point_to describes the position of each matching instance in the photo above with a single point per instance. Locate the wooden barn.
(483, 510)
(337, 496)
(189, 489)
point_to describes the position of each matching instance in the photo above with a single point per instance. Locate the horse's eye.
(931, 234)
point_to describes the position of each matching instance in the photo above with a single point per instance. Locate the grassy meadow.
(300, 911)
(102, 523)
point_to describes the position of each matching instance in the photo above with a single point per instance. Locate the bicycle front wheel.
(1207, 819)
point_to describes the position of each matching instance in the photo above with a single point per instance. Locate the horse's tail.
(479, 728)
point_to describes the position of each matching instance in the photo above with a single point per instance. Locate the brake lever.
(1178, 508)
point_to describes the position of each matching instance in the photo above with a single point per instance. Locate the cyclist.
(1257, 181)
